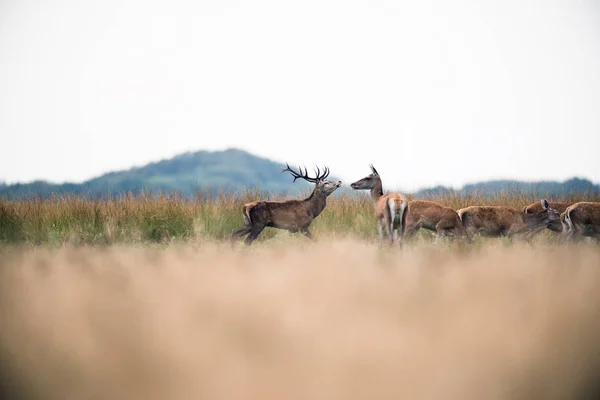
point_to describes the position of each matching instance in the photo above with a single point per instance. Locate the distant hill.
(546, 188)
(209, 171)
(236, 170)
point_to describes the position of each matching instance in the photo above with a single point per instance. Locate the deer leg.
(570, 235)
(443, 230)
(522, 235)
(308, 234)
(563, 237)
(394, 235)
(576, 235)
(389, 229)
(412, 230)
(380, 232)
(529, 238)
(256, 230)
(464, 235)
(239, 233)
(438, 235)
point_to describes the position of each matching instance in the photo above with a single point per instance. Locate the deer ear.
(373, 169)
(545, 204)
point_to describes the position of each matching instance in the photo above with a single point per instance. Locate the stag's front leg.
(308, 234)
(256, 230)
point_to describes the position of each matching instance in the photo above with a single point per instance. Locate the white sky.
(431, 92)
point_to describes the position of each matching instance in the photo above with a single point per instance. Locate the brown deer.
(444, 221)
(559, 206)
(494, 221)
(582, 220)
(390, 209)
(291, 215)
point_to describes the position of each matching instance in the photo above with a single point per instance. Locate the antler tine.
(302, 174)
(308, 178)
(324, 175)
(291, 171)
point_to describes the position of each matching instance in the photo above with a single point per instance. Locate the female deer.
(390, 209)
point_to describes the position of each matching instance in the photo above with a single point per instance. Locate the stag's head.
(368, 182)
(322, 185)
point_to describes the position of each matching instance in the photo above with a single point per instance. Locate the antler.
(325, 173)
(304, 174)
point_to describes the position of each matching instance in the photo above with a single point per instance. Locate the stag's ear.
(545, 204)
(373, 169)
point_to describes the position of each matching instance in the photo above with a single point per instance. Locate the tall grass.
(341, 321)
(167, 218)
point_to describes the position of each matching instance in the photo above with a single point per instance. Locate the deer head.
(369, 181)
(548, 214)
(322, 185)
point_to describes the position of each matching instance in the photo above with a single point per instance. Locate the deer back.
(584, 213)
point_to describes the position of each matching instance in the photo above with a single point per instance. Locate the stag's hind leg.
(239, 233)
(255, 231)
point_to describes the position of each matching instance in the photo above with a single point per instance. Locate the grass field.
(145, 219)
(144, 298)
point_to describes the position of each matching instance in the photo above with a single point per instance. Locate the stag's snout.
(338, 183)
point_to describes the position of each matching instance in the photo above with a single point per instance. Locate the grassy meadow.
(164, 219)
(143, 298)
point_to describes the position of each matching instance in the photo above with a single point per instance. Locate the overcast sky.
(431, 92)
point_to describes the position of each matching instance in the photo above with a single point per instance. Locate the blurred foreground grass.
(336, 319)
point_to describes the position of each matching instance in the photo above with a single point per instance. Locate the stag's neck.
(376, 192)
(316, 202)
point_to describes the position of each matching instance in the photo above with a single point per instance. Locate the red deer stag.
(494, 221)
(444, 221)
(390, 209)
(291, 215)
(582, 220)
(559, 206)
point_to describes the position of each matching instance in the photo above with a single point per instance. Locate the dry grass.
(336, 319)
(170, 218)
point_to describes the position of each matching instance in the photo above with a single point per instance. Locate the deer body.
(435, 217)
(494, 221)
(291, 215)
(582, 220)
(390, 209)
(559, 206)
